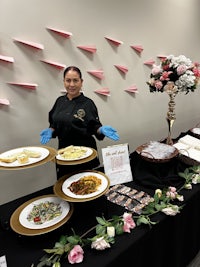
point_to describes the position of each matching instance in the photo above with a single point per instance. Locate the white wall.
(161, 27)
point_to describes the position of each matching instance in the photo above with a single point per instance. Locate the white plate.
(65, 207)
(44, 153)
(88, 153)
(76, 177)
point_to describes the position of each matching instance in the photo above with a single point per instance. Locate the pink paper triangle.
(138, 48)
(61, 33)
(149, 62)
(54, 64)
(97, 73)
(132, 89)
(31, 44)
(103, 91)
(88, 48)
(122, 68)
(114, 41)
(25, 85)
(161, 56)
(7, 59)
(4, 101)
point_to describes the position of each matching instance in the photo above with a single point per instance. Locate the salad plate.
(21, 225)
(44, 212)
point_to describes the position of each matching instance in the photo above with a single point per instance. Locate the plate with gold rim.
(17, 226)
(61, 186)
(42, 202)
(42, 152)
(76, 153)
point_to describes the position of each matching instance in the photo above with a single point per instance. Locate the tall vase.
(171, 116)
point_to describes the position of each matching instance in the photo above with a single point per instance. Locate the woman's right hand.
(46, 135)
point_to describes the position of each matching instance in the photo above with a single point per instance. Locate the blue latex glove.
(109, 132)
(45, 135)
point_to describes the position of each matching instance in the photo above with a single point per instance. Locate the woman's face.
(72, 83)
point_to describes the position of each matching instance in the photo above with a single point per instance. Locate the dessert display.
(129, 198)
(156, 151)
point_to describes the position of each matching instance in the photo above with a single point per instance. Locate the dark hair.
(74, 69)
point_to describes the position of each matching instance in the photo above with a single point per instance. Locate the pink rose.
(76, 255)
(181, 69)
(158, 84)
(156, 70)
(196, 72)
(172, 189)
(128, 222)
(165, 75)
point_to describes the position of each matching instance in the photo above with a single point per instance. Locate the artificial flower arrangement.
(179, 74)
(71, 246)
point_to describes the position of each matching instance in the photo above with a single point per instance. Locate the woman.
(74, 120)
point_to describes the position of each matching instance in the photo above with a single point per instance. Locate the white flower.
(100, 244)
(188, 186)
(171, 210)
(111, 231)
(180, 197)
(196, 179)
(158, 192)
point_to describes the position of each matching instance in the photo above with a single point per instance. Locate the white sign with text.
(3, 262)
(117, 164)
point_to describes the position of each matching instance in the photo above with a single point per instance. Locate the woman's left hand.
(109, 132)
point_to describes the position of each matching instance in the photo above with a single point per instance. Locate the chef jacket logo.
(80, 114)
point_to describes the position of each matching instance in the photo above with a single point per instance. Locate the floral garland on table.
(179, 74)
(71, 247)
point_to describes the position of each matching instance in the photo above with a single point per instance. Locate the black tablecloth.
(173, 242)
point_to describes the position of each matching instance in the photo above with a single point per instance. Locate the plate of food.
(21, 223)
(71, 153)
(44, 212)
(85, 185)
(23, 156)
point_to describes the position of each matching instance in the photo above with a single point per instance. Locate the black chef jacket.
(75, 122)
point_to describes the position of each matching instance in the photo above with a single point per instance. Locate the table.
(173, 242)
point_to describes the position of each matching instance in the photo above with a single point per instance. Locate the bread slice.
(10, 158)
(23, 158)
(32, 153)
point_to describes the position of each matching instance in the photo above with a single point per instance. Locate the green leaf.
(59, 245)
(119, 229)
(100, 230)
(101, 221)
(51, 250)
(142, 219)
(74, 240)
(63, 239)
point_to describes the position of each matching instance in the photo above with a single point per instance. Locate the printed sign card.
(117, 164)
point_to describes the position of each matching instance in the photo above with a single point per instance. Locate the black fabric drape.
(156, 175)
